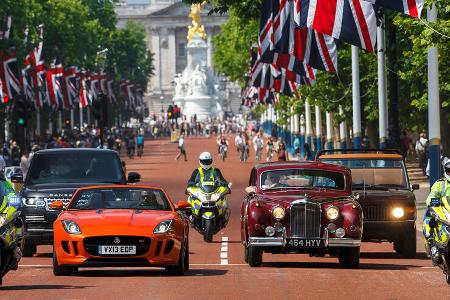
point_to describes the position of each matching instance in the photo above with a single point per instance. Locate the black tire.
(60, 270)
(349, 257)
(178, 269)
(408, 244)
(29, 249)
(186, 258)
(254, 256)
(246, 254)
(209, 231)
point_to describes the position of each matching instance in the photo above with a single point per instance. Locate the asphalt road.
(218, 269)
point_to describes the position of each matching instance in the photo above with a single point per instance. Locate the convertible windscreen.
(374, 173)
(302, 178)
(120, 198)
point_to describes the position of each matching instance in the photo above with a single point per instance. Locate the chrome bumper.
(281, 242)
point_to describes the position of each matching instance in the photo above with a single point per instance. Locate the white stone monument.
(196, 89)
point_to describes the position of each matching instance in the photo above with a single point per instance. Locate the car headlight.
(332, 213)
(215, 197)
(163, 227)
(71, 227)
(398, 212)
(32, 202)
(2, 219)
(278, 212)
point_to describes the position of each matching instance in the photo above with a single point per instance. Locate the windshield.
(374, 173)
(120, 198)
(75, 167)
(302, 178)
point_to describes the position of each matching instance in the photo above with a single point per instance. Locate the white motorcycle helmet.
(206, 160)
(447, 170)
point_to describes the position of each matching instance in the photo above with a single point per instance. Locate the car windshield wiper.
(392, 186)
(369, 187)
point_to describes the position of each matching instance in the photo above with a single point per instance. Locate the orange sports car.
(120, 225)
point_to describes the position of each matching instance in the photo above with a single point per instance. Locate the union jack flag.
(27, 80)
(71, 86)
(38, 74)
(85, 97)
(409, 7)
(130, 93)
(94, 85)
(351, 21)
(55, 85)
(103, 77)
(3, 93)
(110, 91)
(9, 73)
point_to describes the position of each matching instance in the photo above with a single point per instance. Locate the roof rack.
(359, 150)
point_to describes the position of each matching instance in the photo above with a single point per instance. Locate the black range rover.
(54, 175)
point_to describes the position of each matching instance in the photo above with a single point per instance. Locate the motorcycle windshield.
(209, 188)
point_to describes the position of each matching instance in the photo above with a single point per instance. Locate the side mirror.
(134, 177)
(57, 205)
(184, 207)
(17, 178)
(415, 186)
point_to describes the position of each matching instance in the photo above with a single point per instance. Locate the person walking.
(15, 154)
(421, 149)
(258, 145)
(270, 149)
(140, 144)
(181, 148)
(131, 147)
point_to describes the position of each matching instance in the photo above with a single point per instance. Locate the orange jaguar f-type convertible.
(126, 226)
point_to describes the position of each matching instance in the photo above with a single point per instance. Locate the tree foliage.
(75, 31)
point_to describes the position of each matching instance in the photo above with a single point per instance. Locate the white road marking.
(224, 251)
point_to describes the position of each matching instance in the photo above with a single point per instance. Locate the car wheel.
(246, 254)
(179, 268)
(29, 249)
(209, 229)
(254, 256)
(186, 258)
(349, 257)
(408, 244)
(60, 270)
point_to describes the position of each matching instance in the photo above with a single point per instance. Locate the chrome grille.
(375, 213)
(36, 218)
(305, 220)
(50, 200)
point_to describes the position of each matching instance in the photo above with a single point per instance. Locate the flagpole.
(434, 119)
(81, 116)
(382, 100)
(308, 123)
(318, 128)
(38, 122)
(342, 130)
(356, 99)
(59, 121)
(72, 118)
(329, 118)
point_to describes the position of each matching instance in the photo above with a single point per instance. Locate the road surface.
(218, 269)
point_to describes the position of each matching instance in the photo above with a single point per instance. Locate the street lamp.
(162, 104)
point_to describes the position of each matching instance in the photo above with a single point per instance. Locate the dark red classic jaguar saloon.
(301, 207)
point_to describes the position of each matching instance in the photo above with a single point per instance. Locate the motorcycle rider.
(207, 174)
(9, 203)
(222, 142)
(440, 190)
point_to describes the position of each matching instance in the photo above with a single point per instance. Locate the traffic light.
(146, 112)
(176, 112)
(22, 112)
(170, 112)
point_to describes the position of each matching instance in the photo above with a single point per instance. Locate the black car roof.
(88, 150)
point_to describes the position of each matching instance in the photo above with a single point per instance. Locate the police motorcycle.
(437, 241)
(210, 212)
(11, 228)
